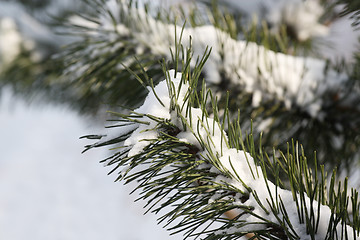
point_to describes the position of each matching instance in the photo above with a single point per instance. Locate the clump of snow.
(303, 17)
(10, 41)
(143, 135)
(294, 80)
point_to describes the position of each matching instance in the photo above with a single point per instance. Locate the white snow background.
(49, 190)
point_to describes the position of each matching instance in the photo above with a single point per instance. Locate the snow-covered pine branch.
(184, 159)
(296, 81)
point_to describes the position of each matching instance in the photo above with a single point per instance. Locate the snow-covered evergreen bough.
(189, 167)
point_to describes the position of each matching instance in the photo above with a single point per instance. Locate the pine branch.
(183, 159)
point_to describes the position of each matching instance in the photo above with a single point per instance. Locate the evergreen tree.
(189, 78)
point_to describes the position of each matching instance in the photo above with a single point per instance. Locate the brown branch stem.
(231, 215)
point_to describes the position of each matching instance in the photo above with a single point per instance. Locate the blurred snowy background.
(48, 189)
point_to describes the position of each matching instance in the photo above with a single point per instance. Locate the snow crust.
(241, 166)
